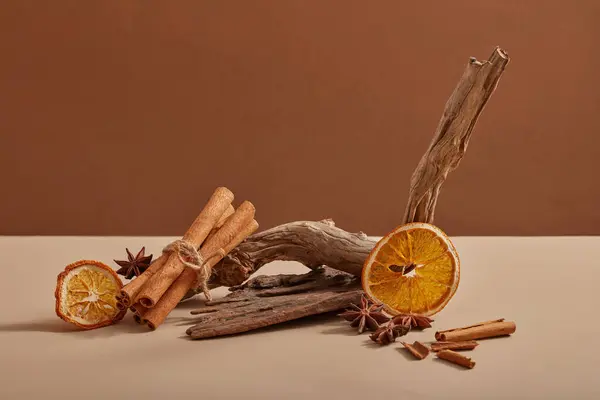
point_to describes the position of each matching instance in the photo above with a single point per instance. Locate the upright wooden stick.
(452, 135)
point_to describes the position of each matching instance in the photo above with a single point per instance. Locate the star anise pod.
(388, 333)
(413, 321)
(134, 266)
(367, 316)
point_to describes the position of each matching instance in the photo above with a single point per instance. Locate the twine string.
(191, 258)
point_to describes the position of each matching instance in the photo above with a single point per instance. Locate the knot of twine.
(191, 258)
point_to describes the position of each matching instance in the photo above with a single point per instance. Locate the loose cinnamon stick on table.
(481, 330)
(417, 349)
(158, 283)
(456, 358)
(237, 228)
(462, 345)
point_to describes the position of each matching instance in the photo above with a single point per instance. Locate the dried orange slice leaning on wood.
(415, 269)
(86, 294)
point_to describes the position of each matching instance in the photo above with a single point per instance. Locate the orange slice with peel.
(86, 294)
(414, 269)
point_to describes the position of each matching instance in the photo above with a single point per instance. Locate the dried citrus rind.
(414, 269)
(86, 294)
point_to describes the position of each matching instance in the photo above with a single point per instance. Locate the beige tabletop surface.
(548, 286)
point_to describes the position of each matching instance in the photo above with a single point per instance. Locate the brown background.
(121, 117)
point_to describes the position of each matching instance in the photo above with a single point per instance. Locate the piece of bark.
(270, 300)
(478, 82)
(463, 345)
(417, 349)
(456, 358)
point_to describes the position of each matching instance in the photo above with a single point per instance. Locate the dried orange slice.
(415, 269)
(85, 294)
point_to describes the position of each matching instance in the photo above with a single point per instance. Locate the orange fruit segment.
(414, 269)
(86, 294)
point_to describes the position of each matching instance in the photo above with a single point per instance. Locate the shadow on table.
(191, 304)
(449, 364)
(59, 326)
(52, 326)
(344, 328)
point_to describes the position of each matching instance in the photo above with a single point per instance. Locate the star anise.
(413, 321)
(134, 266)
(367, 316)
(389, 332)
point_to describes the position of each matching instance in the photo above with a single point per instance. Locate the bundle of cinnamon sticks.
(187, 264)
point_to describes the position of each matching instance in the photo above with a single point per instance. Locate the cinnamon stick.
(228, 213)
(481, 330)
(456, 358)
(130, 291)
(138, 309)
(417, 349)
(232, 231)
(138, 313)
(160, 282)
(229, 233)
(119, 303)
(462, 345)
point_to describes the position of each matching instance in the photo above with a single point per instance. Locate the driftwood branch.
(265, 301)
(452, 135)
(311, 243)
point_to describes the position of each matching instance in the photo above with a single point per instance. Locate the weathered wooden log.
(311, 243)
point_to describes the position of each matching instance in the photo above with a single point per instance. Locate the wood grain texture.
(311, 243)
(449, 144)
(270, 300)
